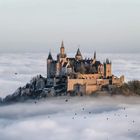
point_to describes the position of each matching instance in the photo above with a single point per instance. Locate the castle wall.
(102, 81)
(91, 88)
(118, 81)
(88, 76)
(80, 89)
(72, 82)
(90, 84)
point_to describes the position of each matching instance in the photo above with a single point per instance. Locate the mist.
(17, 69)
(81, 118)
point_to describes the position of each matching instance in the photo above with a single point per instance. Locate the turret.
(107, 69)
(95, 55)
(78, 55)
(94, 58)
(49, 64)
(50, 56)
(62, 55)
(61, 58)
(62, 49)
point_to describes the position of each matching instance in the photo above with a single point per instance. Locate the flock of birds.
(92, 113)
(120, 116)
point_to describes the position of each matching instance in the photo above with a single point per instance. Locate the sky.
(41, 25)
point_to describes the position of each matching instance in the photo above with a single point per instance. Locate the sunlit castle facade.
(65, 66)
(87, 74)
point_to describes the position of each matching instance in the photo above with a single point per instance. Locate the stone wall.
(102, 81)
(72, 82)
(91, 88)
(88, 76)
(117, 81)
(89, 84)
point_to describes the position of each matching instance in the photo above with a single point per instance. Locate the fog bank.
(80, 118)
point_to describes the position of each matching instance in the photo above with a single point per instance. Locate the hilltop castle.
(83, 76)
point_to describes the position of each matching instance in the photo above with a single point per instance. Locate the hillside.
(38, 88)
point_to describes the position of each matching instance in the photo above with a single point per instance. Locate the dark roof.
(50, 56)
(95, 55)
(71, 58)
(78, 52)
(88, 61)
(97, 62)
(65, 64)
(54, 61)
(107, 61)
(62, 44)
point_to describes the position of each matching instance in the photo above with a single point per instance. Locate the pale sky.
(40, 25)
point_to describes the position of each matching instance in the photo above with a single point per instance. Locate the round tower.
(49, 65)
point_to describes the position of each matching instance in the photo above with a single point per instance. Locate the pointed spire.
(78, 52)
(50, 56)
(107, 61)
(78, 55)
(62, 44)
(94, 59)
(95, 55)
(62, 49)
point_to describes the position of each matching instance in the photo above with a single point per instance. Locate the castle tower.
(95, 55)
(101, 70)
(94, 58)
(62, 55)
(107, 69)
(49, 65)
(61, 59)
(62, 49)
(78, 55)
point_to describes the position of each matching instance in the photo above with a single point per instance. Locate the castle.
(80, 75)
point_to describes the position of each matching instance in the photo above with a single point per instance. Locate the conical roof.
(78, 52)
(50, 56)
(95, 55)
(62, 44)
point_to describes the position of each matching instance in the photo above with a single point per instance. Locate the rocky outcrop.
(1, 100)
(128, 89)
(37, 88)
(40, 87)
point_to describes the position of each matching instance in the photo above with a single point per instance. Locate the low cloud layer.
(17, 69)
(100, 118)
